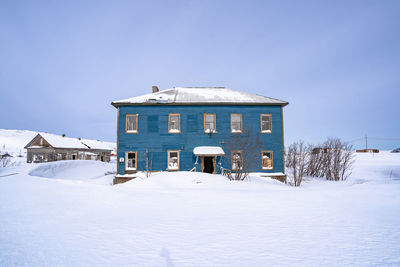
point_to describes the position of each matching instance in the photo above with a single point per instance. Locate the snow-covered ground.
(67, 214)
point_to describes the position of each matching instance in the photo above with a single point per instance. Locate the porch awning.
(208, 151)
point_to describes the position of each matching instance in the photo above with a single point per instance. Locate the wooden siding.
(47, 154)
(192, 134)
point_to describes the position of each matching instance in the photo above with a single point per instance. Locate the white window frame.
(270, 123)
(126, 161)
(168, 160)
(126, 123)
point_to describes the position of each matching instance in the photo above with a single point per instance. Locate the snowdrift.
(185, 180)
(73, 169)
(382, 167)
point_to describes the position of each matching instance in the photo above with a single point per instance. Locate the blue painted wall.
(153, 134)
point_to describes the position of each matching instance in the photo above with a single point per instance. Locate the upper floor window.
(174, 123)
(209, 123)
(237, 160)
(173, 160)
(236, 123)
(131, 123)
(130, 160)
(267, 160)
(266, 123)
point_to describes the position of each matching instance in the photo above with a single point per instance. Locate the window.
(174, 123)
(266, 123)
(130, 160)
(209, 123)
(173, 160)
(267, 160)
(236, 123)
(237, 160)
(131, 123)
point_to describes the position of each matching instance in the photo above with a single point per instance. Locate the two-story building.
(192, 128)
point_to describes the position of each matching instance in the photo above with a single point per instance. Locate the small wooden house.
(51, 147)
(367, 150)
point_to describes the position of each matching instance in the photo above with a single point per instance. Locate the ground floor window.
(266, 160)
(173, 160)
(130, 160)
(38, 158)
(237, 160)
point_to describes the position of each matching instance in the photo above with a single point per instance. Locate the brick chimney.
(155, 89)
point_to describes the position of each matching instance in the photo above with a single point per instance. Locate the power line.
(374, 138)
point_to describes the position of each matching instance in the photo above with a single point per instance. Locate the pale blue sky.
(336, 62)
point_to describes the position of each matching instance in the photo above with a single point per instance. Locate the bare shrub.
(4, 161)
(149, 162)
(296, 162)
(339, 159)
(245, 150)
(316, 161)
(332, 160)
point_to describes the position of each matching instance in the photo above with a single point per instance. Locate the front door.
(208, 164)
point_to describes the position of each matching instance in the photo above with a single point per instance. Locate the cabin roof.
(62, 142)
(198, 96)
(58, 141)
(96, 144)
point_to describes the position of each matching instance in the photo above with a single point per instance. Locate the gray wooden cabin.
(50, 147)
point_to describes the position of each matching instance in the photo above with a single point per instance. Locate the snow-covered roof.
(208, 151)
(58, 141)
(62, 142)
(96, 144)
(199, 95)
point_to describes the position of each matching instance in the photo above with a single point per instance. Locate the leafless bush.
(245, 149)
(316, 161)
(332, 160)
(149, 162)
(296, 162)
(4, 161)
(339, 159)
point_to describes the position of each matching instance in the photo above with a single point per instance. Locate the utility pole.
(366, 142)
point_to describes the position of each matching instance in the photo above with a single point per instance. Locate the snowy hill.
(69, 211)
(14, 141)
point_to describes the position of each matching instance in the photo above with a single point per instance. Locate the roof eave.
(116, 105)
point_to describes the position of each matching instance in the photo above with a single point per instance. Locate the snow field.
(196, 219)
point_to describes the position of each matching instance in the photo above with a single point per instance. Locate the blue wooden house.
(198, 129)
